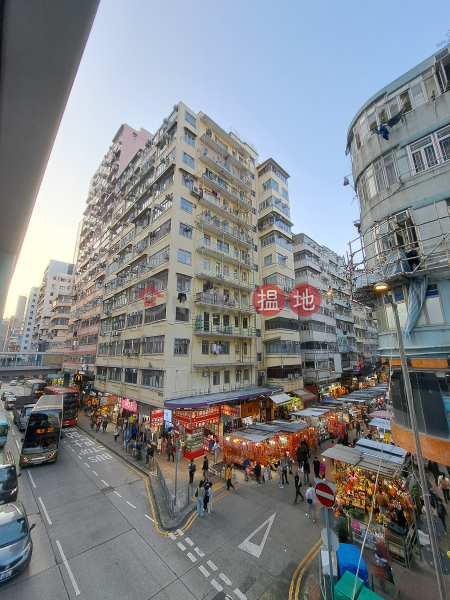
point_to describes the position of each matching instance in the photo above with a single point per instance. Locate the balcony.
(219, 249)
(207, 328)
(220, 277)
(226, 190)
(224, 302)
(239, 162)
(223, 229)
(223, 166)
(239, 217)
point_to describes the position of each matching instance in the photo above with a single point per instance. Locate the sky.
(288, 76)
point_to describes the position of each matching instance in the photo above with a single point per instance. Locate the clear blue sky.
(289, 76)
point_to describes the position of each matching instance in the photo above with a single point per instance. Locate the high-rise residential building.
(91, 253)
(402, 177)
(57, 279)
(14, 335)
(334, 341)
(4, 333)
(29, 319)
(20, 309)
(177, 317)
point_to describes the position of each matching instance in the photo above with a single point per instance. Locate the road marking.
(45, 511)
(103, 481)
(87, 465)
(31, 479)
(225, 579)
(203, 570)
(69, 570)
(239, 594)
(218, 587)
(180, 533)
(181, 546)
(132, 505)
(192, 557)
(17, 444)
(199, 552)
(72, 450)
(95, 473)
(172, 536)
(211, 565)
(255, 549)
(189, 541)
(117, 493)
(304, 559)
(149, 518)
(80, 457)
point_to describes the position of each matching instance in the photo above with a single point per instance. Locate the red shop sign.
(194, 419)
(231, 411)
(157, 417)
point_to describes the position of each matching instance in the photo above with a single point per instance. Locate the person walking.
(210, 496)
(311, 500)
(99, 422)
(104, 425)
(322, 469)
(441, 512)
(149, 450)
(125, 442)
(316, 466)
(159, 443)
(134, 432)
(285, 469)
(163, 445)
(116, 433)
(298, 485)
(257, 471)
(170, 449)
(138, 450)
(206, 500)
(298, 455)
(280, 473)
(228, 476)
(191, 470)
(290, 462)
(306, 472)
(205, 467)
(246, 467)
(358, 428)
(216, 452)
(444, 482)
(200, 493)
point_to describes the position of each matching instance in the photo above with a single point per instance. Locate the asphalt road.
(95, 535)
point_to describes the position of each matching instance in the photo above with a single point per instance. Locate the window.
(153, 345)
(187, 181)
(132, 346)
(267, 260)
(205, 347)
(186, 205)
(183, 284)
(155, 313)
(216, 377)
(114, 374)
(282, 260)
(238, 376)
(182, 314)
(186, 230)
(190, 139)
(181, 347)
(270, 183)
(245, 348)
(226, 377)
(184, 257)
(190, 119)
(152, 378)
(188, 160)
(423, 154)
(246, 374)
(406, 101)
(134, 319)
(130, 376)
(285, 193)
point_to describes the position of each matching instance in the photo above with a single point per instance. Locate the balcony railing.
(218, 275)
(203, 327)
(224, 227)
(220, 248)
(221, 301)
(220, 164)
(221, 184)
(238, 216)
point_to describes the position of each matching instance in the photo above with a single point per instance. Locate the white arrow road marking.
(255, 549)
(324, 494)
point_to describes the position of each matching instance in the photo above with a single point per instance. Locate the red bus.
(70, 403)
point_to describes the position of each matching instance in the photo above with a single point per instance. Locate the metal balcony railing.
(218, 275)
(203, 327)
(221, 248)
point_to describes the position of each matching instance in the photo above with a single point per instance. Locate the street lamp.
(383, 287)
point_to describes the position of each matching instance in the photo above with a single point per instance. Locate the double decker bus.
(70, 402)
(41, 439)
(34, 387)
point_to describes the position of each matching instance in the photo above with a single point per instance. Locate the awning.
(356, 400)
(304, 395)
(251, 436)
(289, 426)
(381, 414)
(358, 458)
(312, 412)
(391, 452)
(243, 393)
(280, 398)
(381, 424)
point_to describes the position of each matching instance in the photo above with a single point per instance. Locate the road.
(96, 535)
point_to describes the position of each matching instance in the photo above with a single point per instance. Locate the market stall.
(381, 429)
(318, 418)
(281, 404)
(355, 472)
(200, 427)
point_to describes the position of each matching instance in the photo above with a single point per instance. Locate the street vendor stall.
(355, 472)
(198, 426)
(318, 418)
(281, 403)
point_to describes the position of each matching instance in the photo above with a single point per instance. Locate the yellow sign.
(77, 378)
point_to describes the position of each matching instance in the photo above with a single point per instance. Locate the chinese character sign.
(268, 300)
(305, 300)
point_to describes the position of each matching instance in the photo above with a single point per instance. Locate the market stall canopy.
(312, 412)
(356, 400)
(381, 414)
(251, 436)
(328, 399)
(390, 452)
(243, 393)
(304, 395)
(280, 398)
(381, 424)
(358, 458)
(288, 426)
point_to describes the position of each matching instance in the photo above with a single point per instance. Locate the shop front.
(281, 406)
(317, 418)
(201, 429)
(109, 408)
(250, 412)
(230, 418)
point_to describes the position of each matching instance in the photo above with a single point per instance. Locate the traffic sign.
(334, 542)
(176, 431)
(325, 494)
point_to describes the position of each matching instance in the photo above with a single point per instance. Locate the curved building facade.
(399, 142)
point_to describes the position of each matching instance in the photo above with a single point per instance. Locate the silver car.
(16, 546)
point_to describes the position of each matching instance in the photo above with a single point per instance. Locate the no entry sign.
(325, 494)
(176, 431)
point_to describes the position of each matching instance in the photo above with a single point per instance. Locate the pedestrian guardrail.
(182, 499)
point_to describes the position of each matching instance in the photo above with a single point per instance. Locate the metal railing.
(217, 274)
(221, 249)
(174, 504)
(202, 326)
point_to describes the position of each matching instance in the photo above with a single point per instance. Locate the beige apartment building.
(197, 226)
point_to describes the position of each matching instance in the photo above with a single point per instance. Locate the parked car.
(16, 545)
(9, 482)
(13, 382)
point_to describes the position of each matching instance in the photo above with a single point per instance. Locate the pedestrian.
(257, 471)
(306, 472)
(345, 439)
(99, 422)
(191, 470)
(163, 445)
(316, 466)
(358, 428)
(210, 495)
(322, 468)
(85, 408)
(116, 433)
(159, 443)
(441, 511)
(305, 449)
(216, 452)
(205, 467)
(228, 476)
(200, 494)
(170, 449)
(138, 450)
(285, 469)
(298, 455)
(104, 425)
(290, 462)
(280, 473)
(298, 485)
(246, 467)
(92, 423)
(311, 500)
(444, 482)
(205, 501)
(134, 432)
(149, 450)
(125, 443)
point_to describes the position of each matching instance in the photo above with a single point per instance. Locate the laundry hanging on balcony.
(381, 131)
(416, 297)
(395, 119)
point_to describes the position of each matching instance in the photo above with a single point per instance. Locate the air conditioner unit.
(205, 373)
(290, 376)
(150, 365)
(261, 373)
(195, 192)
(297, 375)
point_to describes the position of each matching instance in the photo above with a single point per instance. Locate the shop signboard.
(157, 417)
(130, 405)
(194, 419)
(230, 411)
